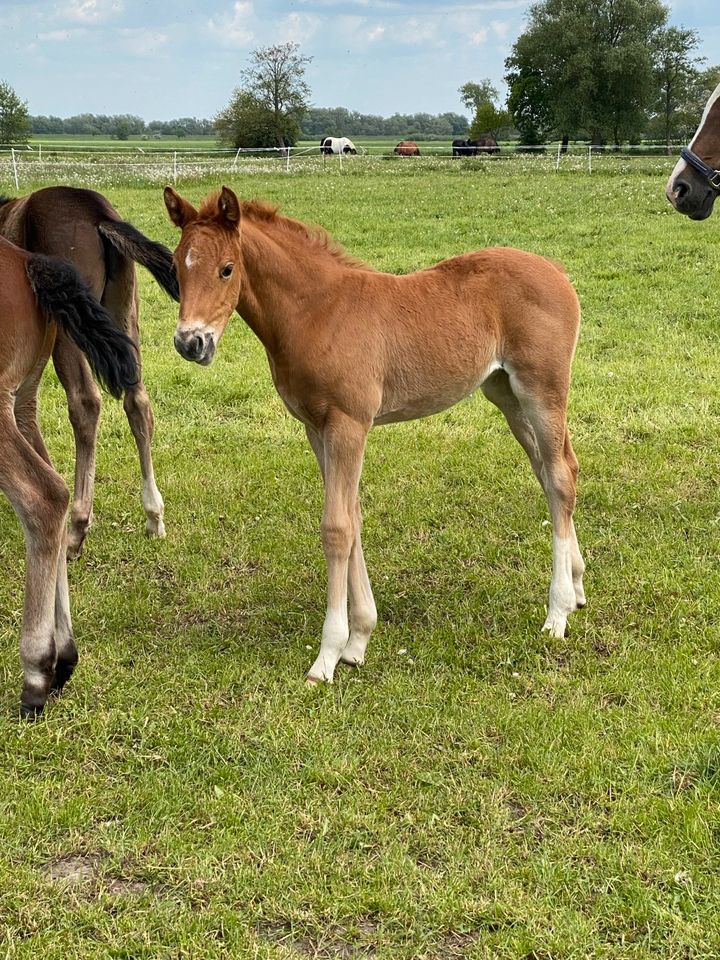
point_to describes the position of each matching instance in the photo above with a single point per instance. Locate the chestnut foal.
(34, 291)
(350, 347)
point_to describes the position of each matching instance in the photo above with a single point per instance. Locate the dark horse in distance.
(81, 227)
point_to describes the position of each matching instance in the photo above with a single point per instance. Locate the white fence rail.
(97, 166)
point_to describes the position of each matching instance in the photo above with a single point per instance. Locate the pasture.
(476, 790)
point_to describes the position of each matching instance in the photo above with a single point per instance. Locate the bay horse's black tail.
(64, 297)
(150, 254)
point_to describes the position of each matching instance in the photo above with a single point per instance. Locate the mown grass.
(476, 790)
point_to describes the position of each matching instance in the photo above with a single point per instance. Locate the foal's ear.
(181, 211)
(229, 207)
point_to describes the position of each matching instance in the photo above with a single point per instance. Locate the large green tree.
(585, 67)
(266, 110)
(14, 117)
(678, 78)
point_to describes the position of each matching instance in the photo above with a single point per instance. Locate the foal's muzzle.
(195, 345)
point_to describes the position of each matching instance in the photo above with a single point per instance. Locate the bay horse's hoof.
(31, 712)
(64, 669)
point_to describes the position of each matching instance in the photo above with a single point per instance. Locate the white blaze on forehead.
(715, 96)
(190, 260)
(681, 165)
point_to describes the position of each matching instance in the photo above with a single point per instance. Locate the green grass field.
(477, 790)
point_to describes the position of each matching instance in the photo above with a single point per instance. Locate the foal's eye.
(226, 271)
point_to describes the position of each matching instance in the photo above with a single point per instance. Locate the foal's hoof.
(556, 627)
(74, 549)
(311, 681)
(154, 527)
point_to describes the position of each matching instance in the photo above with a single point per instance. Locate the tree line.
(120, 126)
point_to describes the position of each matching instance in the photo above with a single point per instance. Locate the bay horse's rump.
(37, 293)
(82, 227)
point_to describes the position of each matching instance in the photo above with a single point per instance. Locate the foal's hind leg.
(540, 428)
(498, 390)
(83, 399)
(120, 298)
(40, 498)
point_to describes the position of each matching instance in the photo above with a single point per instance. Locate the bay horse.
(407, 148)
(38, 296)
(350, 347)
(694, 183)
(82, 227)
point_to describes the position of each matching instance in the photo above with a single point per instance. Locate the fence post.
(557, 162)
(287, 162)
(590, 159)
(234, 163)
(175, 167)
(15, 169)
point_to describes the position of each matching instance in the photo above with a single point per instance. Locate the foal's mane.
(262, 213)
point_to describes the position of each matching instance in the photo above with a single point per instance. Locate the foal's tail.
(154, 256)
(63, 296)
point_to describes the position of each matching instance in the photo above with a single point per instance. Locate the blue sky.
(167, 60)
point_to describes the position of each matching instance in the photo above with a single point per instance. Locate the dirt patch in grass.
(85, 870)
(337, 943)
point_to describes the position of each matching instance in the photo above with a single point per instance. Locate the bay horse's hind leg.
(541, 429)
(64, 640)
(120, 298)
(83, 400)
(40, 498)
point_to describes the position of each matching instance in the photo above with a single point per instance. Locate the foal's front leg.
(343, 445)
(363, 614)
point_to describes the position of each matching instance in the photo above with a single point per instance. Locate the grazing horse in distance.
(39, 295)
(389, 348)
(83, 228)
(330, 145)
(407, 148)
(485, 146)
(473, 148)
(694, 184)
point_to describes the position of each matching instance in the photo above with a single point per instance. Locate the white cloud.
(478, 37)
(91, 11)
(61, 36)
(236, 28)
(376, 33)
(142, 43)
(299, 27)
(416, 30)
(500, 28)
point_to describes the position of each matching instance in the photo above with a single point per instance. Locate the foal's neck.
(286, 273)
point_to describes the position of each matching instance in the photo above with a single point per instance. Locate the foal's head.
(208, 262)
(692, 191)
